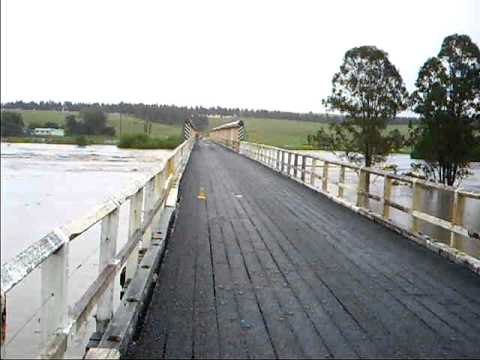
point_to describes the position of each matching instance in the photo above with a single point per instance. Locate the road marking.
(202, 195)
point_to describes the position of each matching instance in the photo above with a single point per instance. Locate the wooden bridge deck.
(265, 267)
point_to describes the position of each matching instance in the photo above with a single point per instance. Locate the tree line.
(176, 115)
(369, 91)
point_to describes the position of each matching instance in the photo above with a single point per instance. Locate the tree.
(447, 97)
(52, 125)
(71, 125)
(94, 120)
(35, 124)
(369, 91)
(11, 124)
(199, 121)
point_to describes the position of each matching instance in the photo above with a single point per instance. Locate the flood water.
(45, 186)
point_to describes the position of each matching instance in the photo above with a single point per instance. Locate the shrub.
(11, 124)
(81, 140)
(142, 141)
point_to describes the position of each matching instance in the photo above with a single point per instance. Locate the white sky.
(256, 54)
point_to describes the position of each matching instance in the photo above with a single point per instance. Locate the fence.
(51, 253)
(305, 169)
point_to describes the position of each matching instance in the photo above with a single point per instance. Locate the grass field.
(282, 133)
(130, 125)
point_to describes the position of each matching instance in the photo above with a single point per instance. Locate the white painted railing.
(305, 169)
(58, 318)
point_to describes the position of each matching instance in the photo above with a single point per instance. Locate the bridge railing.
(58, 318)
(316, 172)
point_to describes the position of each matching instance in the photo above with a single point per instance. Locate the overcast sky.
(256, 54)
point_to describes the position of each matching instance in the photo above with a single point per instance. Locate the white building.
(48, 132)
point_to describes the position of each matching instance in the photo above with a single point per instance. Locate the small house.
(48, 132)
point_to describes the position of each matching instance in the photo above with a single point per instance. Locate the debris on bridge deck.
(265, 267)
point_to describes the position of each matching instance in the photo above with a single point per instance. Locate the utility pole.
(120, 123)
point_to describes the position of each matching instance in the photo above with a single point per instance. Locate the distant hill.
(283, 133)
(176, 115)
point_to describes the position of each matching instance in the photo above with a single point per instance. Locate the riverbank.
(142, 141)
(134, 141)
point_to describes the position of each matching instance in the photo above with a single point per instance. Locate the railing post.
(158, 191)
(54, 290)
(387, 191)
(341, 181)
(458, 210)
(282, 169)
(313, 171)
(295, 166)
(134, 224)
(325, 176)
(304, 158)
(361, 188)
(415, 205)
(289, 164)
(170, 166)
(108, 249)
(149, 204)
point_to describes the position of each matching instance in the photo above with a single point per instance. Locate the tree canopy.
(447, 97)
(11, 123)
(92, 122)
(370, 92)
